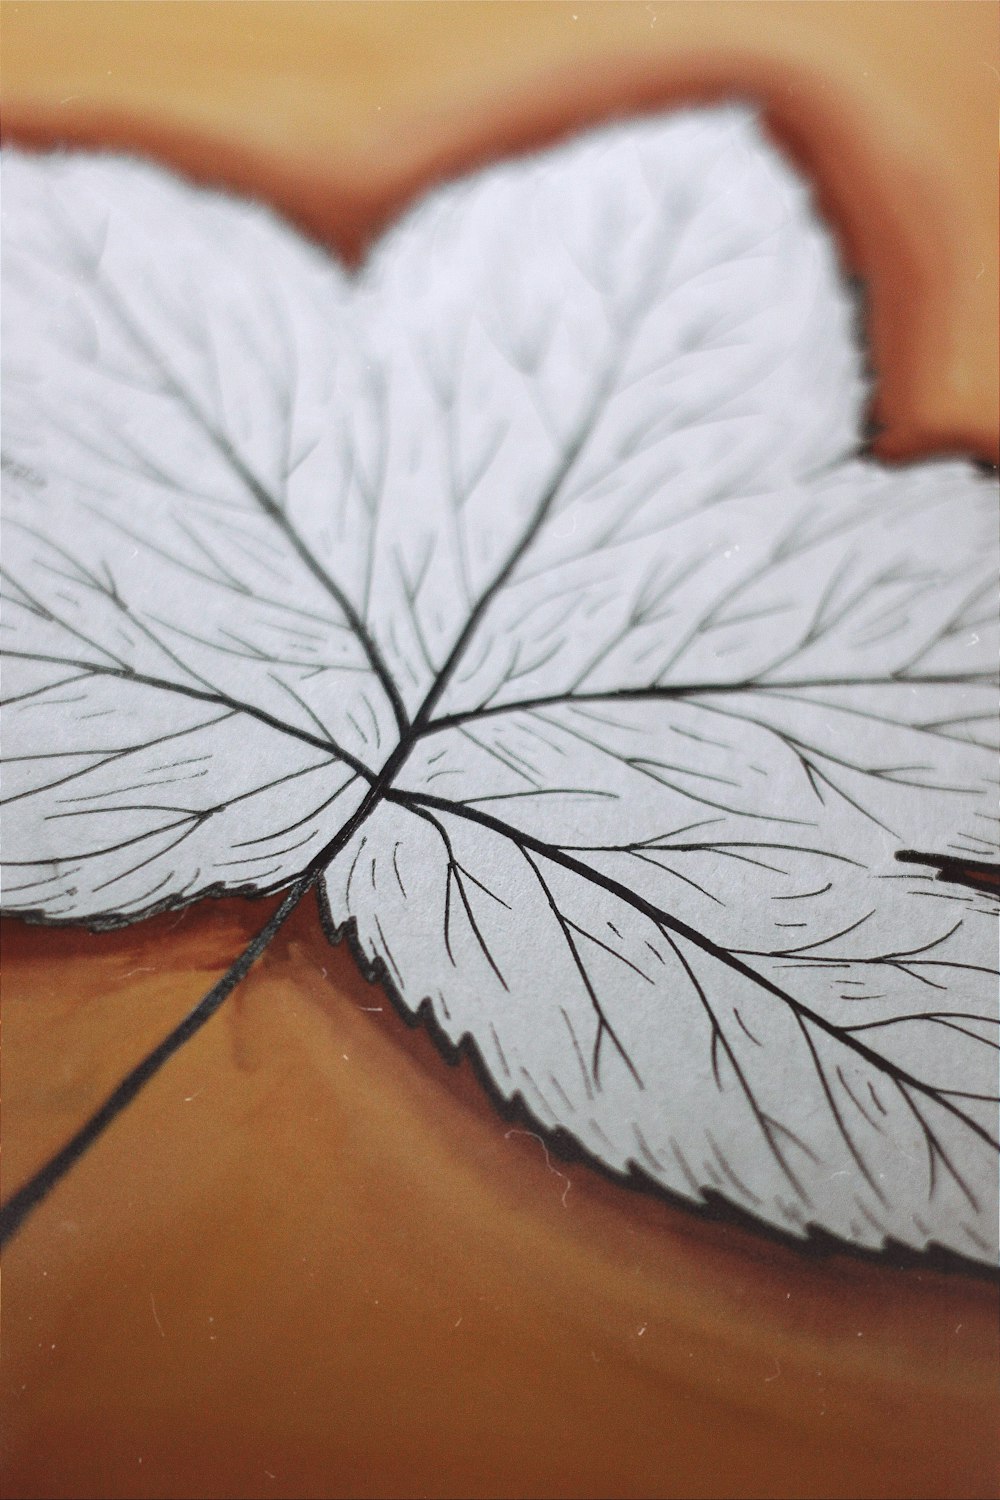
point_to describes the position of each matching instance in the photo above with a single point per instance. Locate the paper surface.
(527, 590)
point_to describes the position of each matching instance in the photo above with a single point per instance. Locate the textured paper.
(528, 595)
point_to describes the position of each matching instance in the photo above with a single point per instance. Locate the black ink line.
(604, 1025)
(664, 919)
(266, 501)
(223, 700)
(691, 690)
(553, 489)
(37, 1188)
(465, 635)
(719, 1038)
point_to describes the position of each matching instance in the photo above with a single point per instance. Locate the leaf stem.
(21, 1203)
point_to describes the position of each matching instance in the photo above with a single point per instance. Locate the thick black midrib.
(692, 935)
(260, 494)
(199, 695)
(669, 691)
(589, 420)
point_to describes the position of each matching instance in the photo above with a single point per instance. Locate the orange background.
(312, 1259)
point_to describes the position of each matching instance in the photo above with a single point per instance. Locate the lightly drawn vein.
(529, 597)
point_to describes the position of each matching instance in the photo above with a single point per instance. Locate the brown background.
(312, 1259)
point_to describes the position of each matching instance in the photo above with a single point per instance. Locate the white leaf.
(528, 591)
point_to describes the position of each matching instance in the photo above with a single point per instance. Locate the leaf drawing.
(529, 597)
